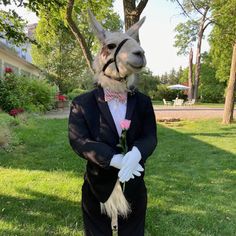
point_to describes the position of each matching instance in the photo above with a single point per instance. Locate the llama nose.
(138, 53)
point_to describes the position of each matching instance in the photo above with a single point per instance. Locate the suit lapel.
(103, 107)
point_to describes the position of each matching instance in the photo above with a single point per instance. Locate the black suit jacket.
(93, 136)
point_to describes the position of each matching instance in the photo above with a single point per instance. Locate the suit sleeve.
(81, 142)
(147, 142)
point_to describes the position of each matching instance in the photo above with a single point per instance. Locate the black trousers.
(97, 224)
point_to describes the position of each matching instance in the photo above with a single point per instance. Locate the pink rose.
(125, 124)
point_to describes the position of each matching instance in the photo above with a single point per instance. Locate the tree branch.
(142, 4)
(184, 11)
(79, 37)
(195, 7)
(210, 22)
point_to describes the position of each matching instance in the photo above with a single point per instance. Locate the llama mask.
(119, 58)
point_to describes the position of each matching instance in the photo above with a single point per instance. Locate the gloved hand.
(130, 165)
(116, 161)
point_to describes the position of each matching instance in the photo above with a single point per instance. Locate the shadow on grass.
(191, 184)
(40, 214)
(191, 187)
(44, 146)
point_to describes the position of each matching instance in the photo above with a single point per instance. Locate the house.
(18, 58)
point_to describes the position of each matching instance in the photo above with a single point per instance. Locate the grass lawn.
(190, 179)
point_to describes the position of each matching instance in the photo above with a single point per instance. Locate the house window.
(25, 73)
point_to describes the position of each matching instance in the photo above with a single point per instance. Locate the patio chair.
(190, 102)
(167, 103)
(178, 102)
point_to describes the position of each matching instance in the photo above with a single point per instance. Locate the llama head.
(119, 58)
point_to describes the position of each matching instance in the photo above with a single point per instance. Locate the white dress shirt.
(118, 111)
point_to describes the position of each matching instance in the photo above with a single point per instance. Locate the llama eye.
(111, 46)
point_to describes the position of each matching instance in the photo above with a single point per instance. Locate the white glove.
(116, 161)
(130, 165)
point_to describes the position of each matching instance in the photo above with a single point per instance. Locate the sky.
(156, 35)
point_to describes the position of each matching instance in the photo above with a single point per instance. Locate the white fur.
(116, 205)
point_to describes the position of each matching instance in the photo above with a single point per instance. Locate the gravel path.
(162, 112)
(189, 113)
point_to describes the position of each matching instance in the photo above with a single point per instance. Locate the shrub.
(40, 95)
(14, 112)
(27, 93)
(76, 92)
(212, 93)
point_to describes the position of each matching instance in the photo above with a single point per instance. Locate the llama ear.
(97, 28)
(133, 30)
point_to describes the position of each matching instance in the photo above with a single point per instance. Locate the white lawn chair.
(178, 102)
(190, 102)
(167, 103)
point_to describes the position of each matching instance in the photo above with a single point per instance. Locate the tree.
(230, 94)
(222, 41)
(147, 82)
(59, 52)
(12, 25)
(102, 9)
(210, 89)
(190, 75)
(132, 11)
(194, 30)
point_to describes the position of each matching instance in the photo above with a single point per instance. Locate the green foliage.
(186, 35)
(147, 83)
(59, 54)
(156, 86)
(172, 77)
(27, 93)
(183, 78)
(164, 93)
(211, 89)
(212, 93)
(223, 36)
(104, 12)
(75, 93)
(12, 25)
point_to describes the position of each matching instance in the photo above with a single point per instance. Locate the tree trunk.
(132, 12)
(230, 94)
(79, 37)
(198, 54)
(190, 75)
